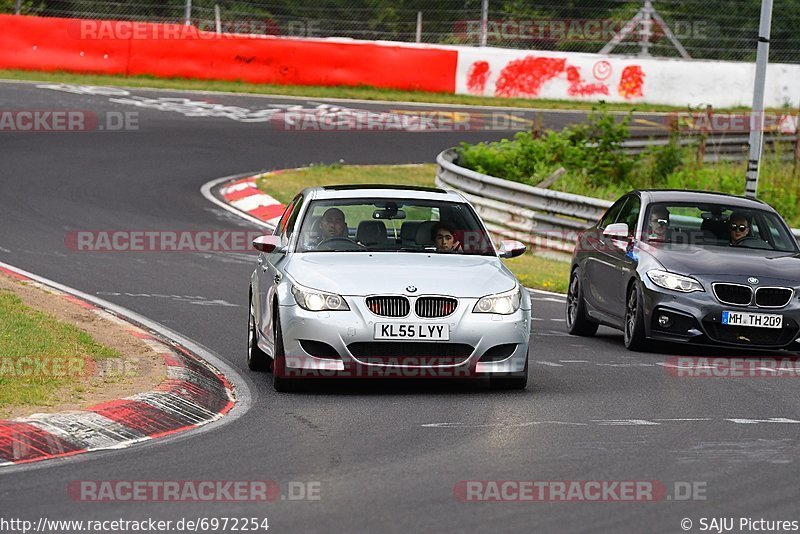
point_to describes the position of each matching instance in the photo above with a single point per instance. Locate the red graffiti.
(477, 76)
(631, 82)
(525, 78)
(578, 88)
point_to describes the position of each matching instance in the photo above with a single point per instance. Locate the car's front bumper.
(350, 336)
(696, 318)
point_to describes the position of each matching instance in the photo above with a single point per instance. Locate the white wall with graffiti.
(593, 77)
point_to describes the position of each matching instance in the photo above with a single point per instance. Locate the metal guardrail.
(547, 221)
(718, 148)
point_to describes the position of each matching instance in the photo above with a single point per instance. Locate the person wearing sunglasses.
(738, 227)
(658, 224)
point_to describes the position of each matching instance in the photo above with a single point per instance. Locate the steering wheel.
(331, 243)
(750, 241)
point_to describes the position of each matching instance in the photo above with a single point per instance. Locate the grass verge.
(532, 271)
(41, 358)
(358, 93)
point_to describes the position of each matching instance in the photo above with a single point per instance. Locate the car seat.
(371, 233)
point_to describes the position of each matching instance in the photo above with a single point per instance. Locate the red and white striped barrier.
(245, 196)
(192, 395)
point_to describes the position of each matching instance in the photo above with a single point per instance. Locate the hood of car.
(734, 261)
(362, 273)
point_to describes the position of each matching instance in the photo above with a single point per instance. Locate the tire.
(280, 382)
(511, 382)
(633, 327)
(577, 322)
(257, 359)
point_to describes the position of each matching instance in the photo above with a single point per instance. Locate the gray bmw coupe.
(690, 267)
(386, 281)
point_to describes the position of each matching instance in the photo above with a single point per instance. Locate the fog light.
(664, 321)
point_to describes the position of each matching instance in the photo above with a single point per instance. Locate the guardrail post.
(536, 129)
(701, 148)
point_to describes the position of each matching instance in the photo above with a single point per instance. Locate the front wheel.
(257, 359)
(280, 382)
(634, 336)
(577, 322)
(511, 382)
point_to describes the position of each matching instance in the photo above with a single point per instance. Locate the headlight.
(502, 303)
(675, 282)
(313, 300)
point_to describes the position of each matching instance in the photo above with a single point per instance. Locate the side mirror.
(268, 243)
(511, 249)
(616, 231)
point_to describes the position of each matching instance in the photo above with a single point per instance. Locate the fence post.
(484, 21)
(419, 26)
(187, 15)
(217, 19)
(796, 143)
(18, 7)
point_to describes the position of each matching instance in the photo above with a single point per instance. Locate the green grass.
(533, 271)
(41, 357)
(283, 187)
(358, 93)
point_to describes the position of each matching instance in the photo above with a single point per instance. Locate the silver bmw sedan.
(377, 281)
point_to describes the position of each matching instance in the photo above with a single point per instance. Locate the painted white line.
(355, 100)
(551, 364)
(574, 361)
(543, 292)
(684, 419)
(625, 364)
(558, 320)
(206, 188)
(612, 422)
(550, 299)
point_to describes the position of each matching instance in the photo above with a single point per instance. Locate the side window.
(611, 215)
(288, 227)
(630, 214)
(280, 229)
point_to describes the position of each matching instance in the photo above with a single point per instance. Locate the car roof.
(709, 197)
(381, 191)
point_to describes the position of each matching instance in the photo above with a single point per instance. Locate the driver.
(332, 224)
(659, 224)
(738, 227)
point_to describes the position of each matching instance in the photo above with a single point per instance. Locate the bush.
(597, 167)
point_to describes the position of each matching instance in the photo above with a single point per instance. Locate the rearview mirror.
(268, 243)
(511, 249)
(388, 214)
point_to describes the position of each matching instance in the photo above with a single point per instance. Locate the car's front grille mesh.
(389, 306)
(733, 294)
(773, 297)
(749, 336)
(410, 353)
(435, 306)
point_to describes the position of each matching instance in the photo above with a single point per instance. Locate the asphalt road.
(386, 457)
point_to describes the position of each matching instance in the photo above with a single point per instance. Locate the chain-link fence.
(705, 29)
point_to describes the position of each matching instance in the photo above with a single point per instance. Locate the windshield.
(392, 225)
(717, 225)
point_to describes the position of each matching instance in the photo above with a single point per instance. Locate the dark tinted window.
(611, 215)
